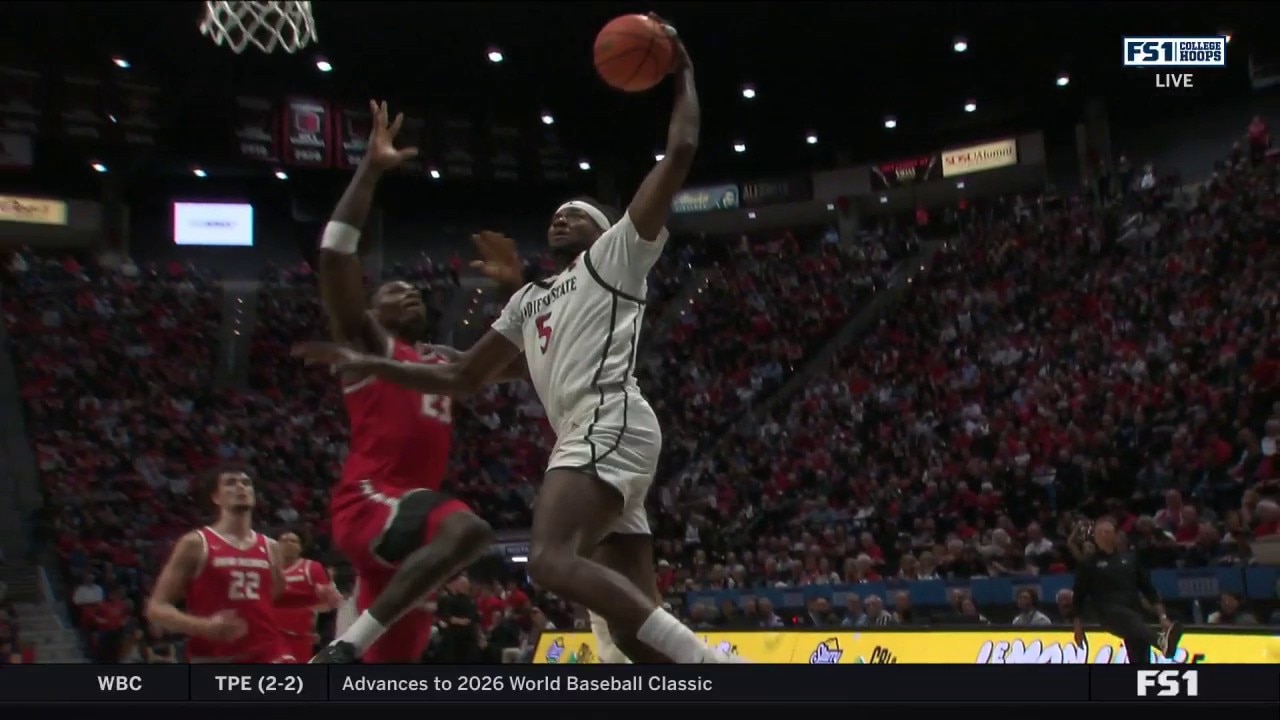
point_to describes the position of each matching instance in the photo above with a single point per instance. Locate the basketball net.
(264, 25)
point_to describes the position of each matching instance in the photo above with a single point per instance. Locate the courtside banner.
(32, 211)
(995, 647)
(980, 158)
(634, 684)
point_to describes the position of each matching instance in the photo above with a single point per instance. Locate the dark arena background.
(948, 282)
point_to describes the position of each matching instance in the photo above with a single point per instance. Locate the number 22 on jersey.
(244, 585)
(544, 331)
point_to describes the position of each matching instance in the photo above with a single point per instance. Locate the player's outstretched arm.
(171, 587)
(517, 370)
(473, 369)
(341, 274)
(652, 202)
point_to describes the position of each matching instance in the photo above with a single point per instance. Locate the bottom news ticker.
(639, 683)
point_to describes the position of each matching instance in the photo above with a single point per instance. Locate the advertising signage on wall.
(980, 158)
(32, 211)
(776, 191)
(694, 200)
(911, 171)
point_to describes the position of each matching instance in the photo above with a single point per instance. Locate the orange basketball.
(633, 53)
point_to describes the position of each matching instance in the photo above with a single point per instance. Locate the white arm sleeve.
(624, 259)
(510, 323)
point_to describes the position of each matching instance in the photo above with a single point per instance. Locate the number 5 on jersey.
(544, 331)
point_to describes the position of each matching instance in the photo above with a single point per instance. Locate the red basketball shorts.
(377, 526)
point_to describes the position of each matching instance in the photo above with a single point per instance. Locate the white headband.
(591, 211)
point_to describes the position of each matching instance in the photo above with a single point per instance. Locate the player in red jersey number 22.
(229, 578)
(403, 536)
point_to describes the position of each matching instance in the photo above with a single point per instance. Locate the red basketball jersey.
(234, 578)
(399, 437)
(302, 578)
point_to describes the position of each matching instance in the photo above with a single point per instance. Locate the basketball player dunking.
(403, 536)
(307, 590)
(579, 329)
(229, 578)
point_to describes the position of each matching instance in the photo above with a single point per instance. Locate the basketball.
(633, 53)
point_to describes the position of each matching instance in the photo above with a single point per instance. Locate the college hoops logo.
(1175, 52)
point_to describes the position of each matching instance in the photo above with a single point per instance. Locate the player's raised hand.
(680, 60)
(226, 626)
(382, 154)
(499, 259)
(339, 357)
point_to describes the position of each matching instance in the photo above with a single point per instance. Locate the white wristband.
(340, 237)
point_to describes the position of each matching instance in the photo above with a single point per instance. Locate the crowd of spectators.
(116, 372)
(1086, 355)
(1067, 357)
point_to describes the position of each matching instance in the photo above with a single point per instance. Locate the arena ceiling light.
(121, 63)
(739, 147)
(751, 215)
(657, 157)
(748, 92)
(282, 175)
(583, 165)
(435, 174)
(890, 122)
(1063, 80)
(970, 105)
(811, 139)
(960, 45)
(99, 167)
(323, 65)
(495, 55)
(200, 173)
(548, 119)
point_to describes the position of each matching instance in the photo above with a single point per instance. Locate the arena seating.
(1064, 359)
(1068, 356)
(116, 373)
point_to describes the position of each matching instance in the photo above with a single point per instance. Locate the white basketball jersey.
(579, 330)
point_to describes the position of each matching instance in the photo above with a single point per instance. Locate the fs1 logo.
(1175, 52)
(1170, 683)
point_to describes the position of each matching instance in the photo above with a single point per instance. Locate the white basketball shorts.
(618, 441)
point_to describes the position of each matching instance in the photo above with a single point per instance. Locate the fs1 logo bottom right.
(1168, 683)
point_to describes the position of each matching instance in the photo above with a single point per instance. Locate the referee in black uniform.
(1112, 584)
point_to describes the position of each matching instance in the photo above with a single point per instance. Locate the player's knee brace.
(606, 649)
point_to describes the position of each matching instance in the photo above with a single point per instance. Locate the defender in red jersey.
(307, 590)
(403, 536)
(228, 577)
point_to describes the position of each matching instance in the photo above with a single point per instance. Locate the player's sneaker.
(1169, 639)
(338, 653)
